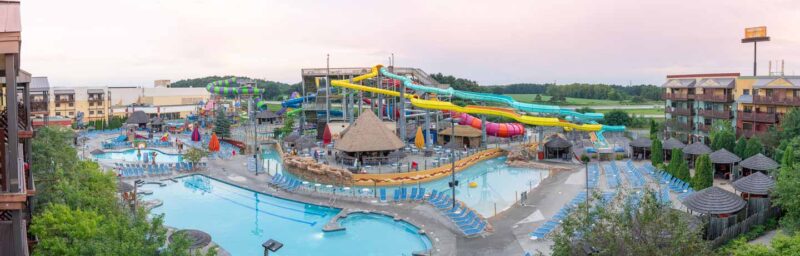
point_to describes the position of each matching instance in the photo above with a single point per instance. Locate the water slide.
(447, 106)
(493, 129)
(229, 87)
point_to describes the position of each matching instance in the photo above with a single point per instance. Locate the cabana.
(718, 205)
(266, 116)
(669, 145)
(367, 140)
(197, 239)
(465, 135)
(138, 118)
(723, 162)
(641, 148)
(757, 163)
(694, 150)
(558, 148)
(157, 124)
(755, 189)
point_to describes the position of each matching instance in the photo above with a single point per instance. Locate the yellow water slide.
(442, 105)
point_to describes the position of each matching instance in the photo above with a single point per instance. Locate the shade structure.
(138, 117)
(97, 152)
(714, 200)
(196, 133)
(672, 143)
(419, 140)
(756, 183)
(304, 142)
(368, 134)
(696, 148)
(557, 143)
(124, 187)
(723, 156)
(759, 162)
(213, 144)
(641, 142)
(326, 135)
(292, 137)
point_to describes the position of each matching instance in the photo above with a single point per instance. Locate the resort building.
(763, 101)
(99, 103)
(17, 187)
(694, 101)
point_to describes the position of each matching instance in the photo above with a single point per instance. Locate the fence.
(744, 226)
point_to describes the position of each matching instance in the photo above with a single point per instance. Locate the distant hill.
(274, 90)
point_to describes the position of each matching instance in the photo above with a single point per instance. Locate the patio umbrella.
(196, 134)
(213, 145)
(326, 136)
(419, 140)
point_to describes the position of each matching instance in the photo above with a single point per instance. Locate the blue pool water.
(241, 220)
(131, 155)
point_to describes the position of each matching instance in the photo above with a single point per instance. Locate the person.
(233, 152)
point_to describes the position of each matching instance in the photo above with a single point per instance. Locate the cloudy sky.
(133, 42)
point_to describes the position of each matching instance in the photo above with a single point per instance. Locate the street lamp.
(271, 246)
(453, 182)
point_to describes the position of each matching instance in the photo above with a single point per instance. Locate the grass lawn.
(574, 101)
(650, 111)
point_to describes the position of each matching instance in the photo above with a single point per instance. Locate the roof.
(156, 121)
(641, 142)
(266, 114)
(714, 200)
(757, 183)
(777, 82)
(723, 156)
(745, 99)
(367, 134)
(461, 131)
(64, 91)
(123, 187)
(759, 162)
(291, 137)
(717, 83)
(696, 148)
(197, 238)
(680, 83)
(673, 143)
(557, 142)
(39, 84)
(137, 117)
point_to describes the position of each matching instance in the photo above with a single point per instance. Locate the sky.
(133, 42)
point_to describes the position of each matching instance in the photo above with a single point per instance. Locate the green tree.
(676, 158)
(786, 191)
(682, 172)
(585, 110)
(741, 147)
(52, 153)
(656, 153)
(790, 123)
(622, 228)
(616, 117)
(722, 135)
(538, 98)
(770, 141)
(288, 127)
(780, 245)
(703, 173)
(194, 155)
(788, 158)
(222, 125)
(654, 130)
(753, 148)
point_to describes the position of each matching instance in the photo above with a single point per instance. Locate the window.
(58, 113)
(71, 104)
(91, 112)
(795, 93)
(746, 91)
(748, 109)
(747, 126)
(91, 104)
(99, 112)
(58, 105)
(771, 110)
(769, 92)
(71, 113)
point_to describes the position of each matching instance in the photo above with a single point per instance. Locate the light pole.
(453, 182)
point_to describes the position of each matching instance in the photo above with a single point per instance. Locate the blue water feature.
(240, 220)
(133, 155)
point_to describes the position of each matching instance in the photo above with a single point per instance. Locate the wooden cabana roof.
(673, 143)
(557, 142)
(291, 137)
(124, 187)
(714, 200)
(197, 238)
(756, 183)
(368, 134)
(697, 148)
(461, 131)
(157, 121)
(759, 162)
(138, 117)
(641, 142)
(723, 156)
(266, 114)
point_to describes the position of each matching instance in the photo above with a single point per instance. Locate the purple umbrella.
(196, 134)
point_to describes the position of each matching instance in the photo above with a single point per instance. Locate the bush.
(620, 157)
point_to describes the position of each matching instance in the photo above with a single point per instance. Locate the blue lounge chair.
(413, 194)
(476, 230)
(435, 196)
(403, 194)
(469, 224)
(383, 195)
(455, 212)
(470, 215)
(420, 194)
(396, 195)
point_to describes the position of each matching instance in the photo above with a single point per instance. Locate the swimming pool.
(134, 155)
(240, 220)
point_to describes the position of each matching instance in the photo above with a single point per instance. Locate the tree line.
(634, 93)
(272, 90)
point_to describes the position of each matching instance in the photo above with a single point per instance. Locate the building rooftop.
(756, 183)
(714, 200)
(368, 134)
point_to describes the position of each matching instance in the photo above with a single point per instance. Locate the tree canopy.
(722, 136)
(222, 124)
(616, 117)
(790, 123)
(753, 148)
(741, 147)
(703, 173)
(656, 153)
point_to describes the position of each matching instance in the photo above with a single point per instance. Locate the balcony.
(38, 106)
(677, 126)
(680, 111)
(67, 100)
(758, 117)
(715, 98)
(677, 96)
(704, 127)
(746, 133)
(776, 100)
(710, 113)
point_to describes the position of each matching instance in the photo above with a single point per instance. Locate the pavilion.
(755, 189)
(723, 162)
(266, 116)
(758, 162)
(465, 135)
(557, 148)
(669, 145)
(367, 140)
(694, 150)
(138, 118)
(641, 148)
(156, 124)
(718, 205)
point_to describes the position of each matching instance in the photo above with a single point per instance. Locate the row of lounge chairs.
(401, 194)
(612, 175)
(116, 144)
(467, 220)
(285, 182)
(635, 177)
(137, 170)
(542, 231)
(594, 175)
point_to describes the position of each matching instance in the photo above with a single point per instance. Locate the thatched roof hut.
(368, 134)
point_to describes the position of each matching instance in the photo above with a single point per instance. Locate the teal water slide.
(502, 99)
(229, 87)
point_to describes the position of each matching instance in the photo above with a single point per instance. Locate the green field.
(574, 101)
(651, 111)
